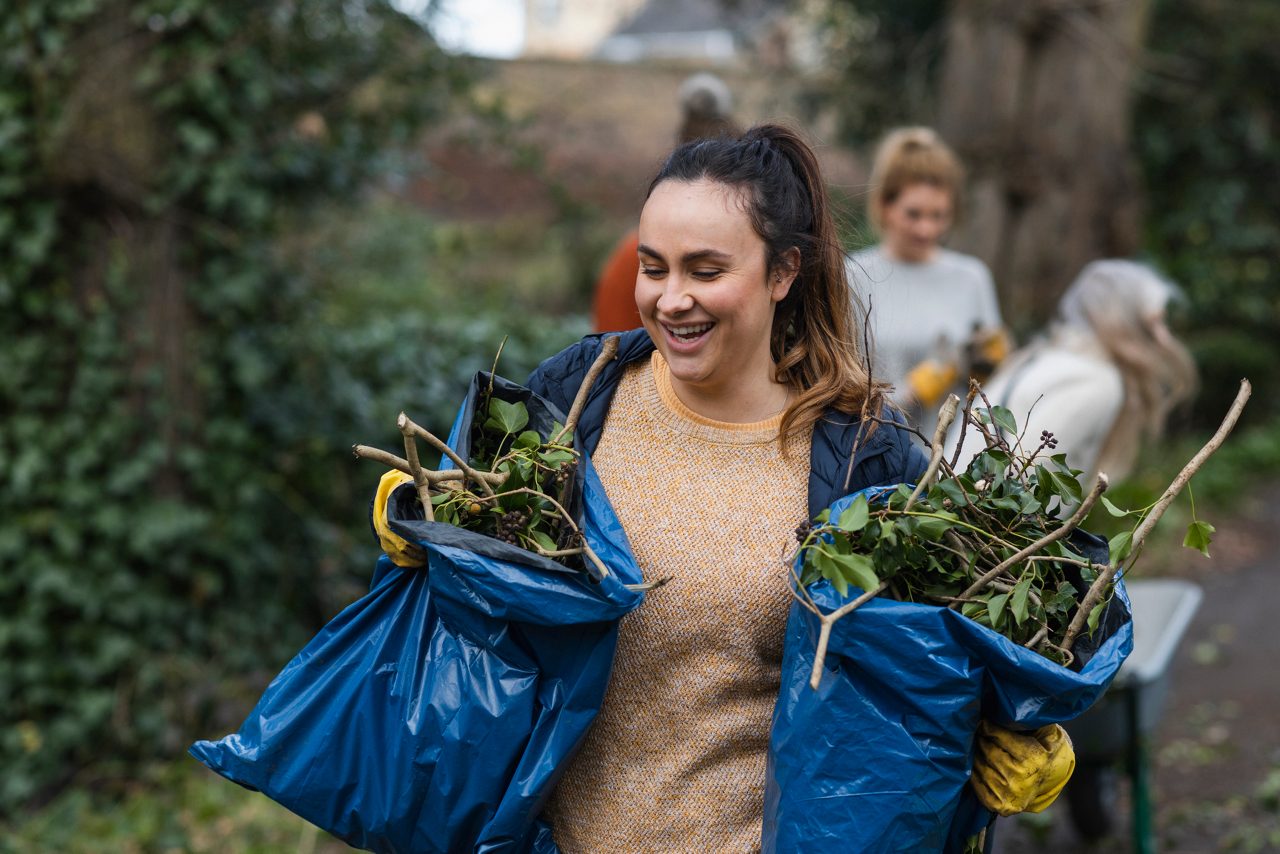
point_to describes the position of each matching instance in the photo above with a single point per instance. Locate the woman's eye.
(705, 275)
(652, 272)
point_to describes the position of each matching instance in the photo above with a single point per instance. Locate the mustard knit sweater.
(676, 758)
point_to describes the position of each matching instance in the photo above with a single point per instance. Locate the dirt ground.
(1215, 754)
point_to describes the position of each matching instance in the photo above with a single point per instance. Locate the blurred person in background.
(705, 107)
(933, 316)
(1105, 374)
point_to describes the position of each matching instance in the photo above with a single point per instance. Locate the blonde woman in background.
(932, 313)
(1104, 376)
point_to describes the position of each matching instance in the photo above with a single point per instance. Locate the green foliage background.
(206, 298)
(1207, 131)
(181, 381)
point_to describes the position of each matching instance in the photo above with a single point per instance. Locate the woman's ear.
(784, 274)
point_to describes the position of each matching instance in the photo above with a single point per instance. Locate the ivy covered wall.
(167, 527)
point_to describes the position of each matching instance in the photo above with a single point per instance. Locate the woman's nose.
(675, 296)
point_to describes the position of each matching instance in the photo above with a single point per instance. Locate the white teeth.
(686, 331)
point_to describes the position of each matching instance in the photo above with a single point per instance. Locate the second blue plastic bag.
(878, 758)
(433, 714)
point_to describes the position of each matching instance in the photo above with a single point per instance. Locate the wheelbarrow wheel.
(1091, 799)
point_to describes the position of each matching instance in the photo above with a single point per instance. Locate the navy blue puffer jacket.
(886, 457)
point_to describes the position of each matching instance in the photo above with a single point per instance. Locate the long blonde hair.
(813, 340)
(1121, 304)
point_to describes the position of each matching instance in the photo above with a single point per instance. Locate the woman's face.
(913, 223)
(703, 291)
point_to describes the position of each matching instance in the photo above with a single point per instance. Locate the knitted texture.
(676, 758)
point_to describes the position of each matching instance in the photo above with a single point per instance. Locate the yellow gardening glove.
(1017, 772)
(986, 349)
(401, 551)
(930, 380)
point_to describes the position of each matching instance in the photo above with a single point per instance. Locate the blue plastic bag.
(879, 757)
(436, 712)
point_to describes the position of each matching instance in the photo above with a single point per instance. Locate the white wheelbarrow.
(1117, 726)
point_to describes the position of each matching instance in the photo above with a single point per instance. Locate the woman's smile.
(687, 337)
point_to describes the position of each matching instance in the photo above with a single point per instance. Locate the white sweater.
(1068, 387)
(917, 309)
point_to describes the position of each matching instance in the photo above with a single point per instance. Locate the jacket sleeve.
(906, 460)
(557, 378)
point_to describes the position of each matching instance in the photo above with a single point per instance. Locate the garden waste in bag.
(878, 758)
(433, 713)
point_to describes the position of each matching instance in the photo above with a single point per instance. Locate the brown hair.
(813, 340)
(907, 156)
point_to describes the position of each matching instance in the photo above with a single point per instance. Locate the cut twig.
(420, 481)
(391, 461)
(1099, 586)
(378, 455)
(457, 475)
(946, 415)
(608, 349)
(1053, 536)
(826, 621)
(409, 428)
(964, 421)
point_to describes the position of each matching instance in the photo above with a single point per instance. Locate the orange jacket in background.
(614, 307)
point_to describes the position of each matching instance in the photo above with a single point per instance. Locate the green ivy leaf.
(544, 542)
(1095, 616)
(1119, 546)
(1004, 419)
(827, 567)
(953, 488)
(507, 417)
(854, 518)
(528, 440)
(995, 607)
(1199, 535)
(1112, 509)
(1018, 599)
(934, 527)
(859, 570)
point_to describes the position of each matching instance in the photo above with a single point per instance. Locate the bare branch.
(378, 455)
(824, 631)
(409, 428)
(964, 421)
(1105, 578)
(608, 350)
(419, 477)
(946, 415)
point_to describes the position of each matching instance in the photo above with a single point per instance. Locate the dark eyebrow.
(689, 257)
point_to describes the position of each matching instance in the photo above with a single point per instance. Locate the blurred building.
(572, 29)
(705, 32)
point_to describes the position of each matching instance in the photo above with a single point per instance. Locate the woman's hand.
(1017, 772)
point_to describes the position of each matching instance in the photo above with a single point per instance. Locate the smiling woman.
(734, 417)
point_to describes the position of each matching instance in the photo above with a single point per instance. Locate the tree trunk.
(1035, 97)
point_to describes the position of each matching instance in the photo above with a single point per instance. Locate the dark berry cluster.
(565, 472)
(803, 530)
(510, 524)
(1047, 440)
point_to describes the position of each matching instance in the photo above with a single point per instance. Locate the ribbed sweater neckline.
(666, 408)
